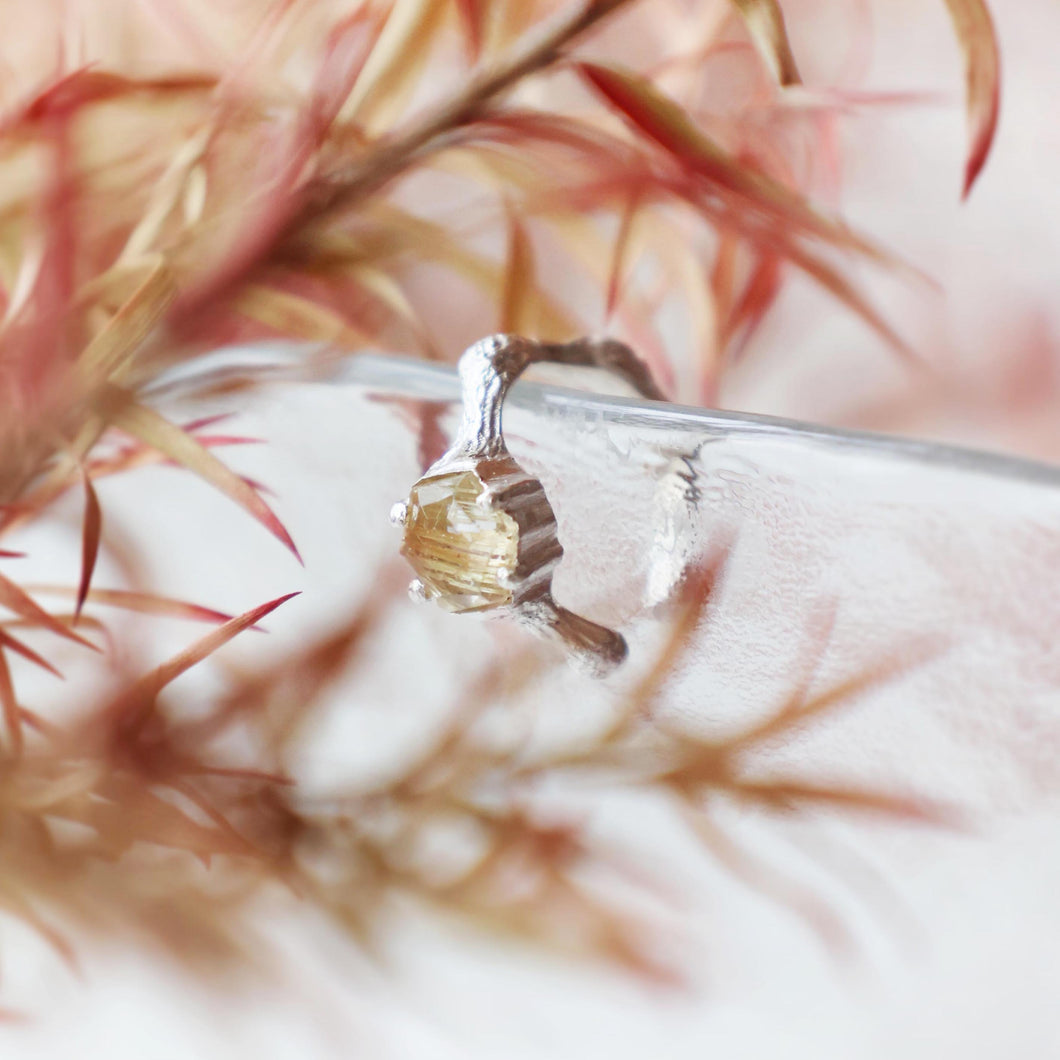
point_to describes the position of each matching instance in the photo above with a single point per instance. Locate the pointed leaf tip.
(792, 219)
(260, 612)
(8, 641)
(137, 701)
(472, 18)
(91, 529)
(16, 599)
(520, 283)
(144, 603)
(183, 448)
(9, 707)
(765, 24)
(982, 71)
(655, 116)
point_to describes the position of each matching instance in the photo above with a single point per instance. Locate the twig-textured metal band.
(490, 367)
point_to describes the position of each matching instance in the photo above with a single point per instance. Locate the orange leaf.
(782, 792)
(113, 349)
(516, 316)
(203, 422)
(758, 295)
(144, 603)
(14, 901)
(620, 251)
(348, 46)
(130, 813)
(392, 69)
(167, 438)
(698, 594)
(291, 315)
(666, 123)
(472, 16)
(26, 652)
(982, 71)
(138, 699)
(9, 706)
(785, 243)
(86, 86)
(90, 533)
(841, 288)
(799, 711)
(18, 600)
(765, 23)
(379, 285)
(766, 880)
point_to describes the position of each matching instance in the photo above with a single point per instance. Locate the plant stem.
(391, 157)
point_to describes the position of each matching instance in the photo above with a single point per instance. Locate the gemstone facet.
(464, 550)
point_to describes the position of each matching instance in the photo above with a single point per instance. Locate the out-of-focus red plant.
(344, 174)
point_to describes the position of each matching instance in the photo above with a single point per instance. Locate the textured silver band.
(490, 367)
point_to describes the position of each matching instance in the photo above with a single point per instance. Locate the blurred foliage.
(403, 176)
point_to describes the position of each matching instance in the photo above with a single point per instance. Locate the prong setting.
(478, 529)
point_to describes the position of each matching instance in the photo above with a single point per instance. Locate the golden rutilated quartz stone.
(463, 551)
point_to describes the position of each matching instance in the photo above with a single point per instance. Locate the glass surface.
(918, 548)
(937, 555)
(920, 577)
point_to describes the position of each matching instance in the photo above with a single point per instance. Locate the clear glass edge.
(408, 377)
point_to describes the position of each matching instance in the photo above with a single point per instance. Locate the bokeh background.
(253, 859)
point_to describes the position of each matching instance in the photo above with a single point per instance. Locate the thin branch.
(392, 157)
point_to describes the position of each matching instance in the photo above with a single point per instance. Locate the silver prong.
(399, 513)
(417, 591)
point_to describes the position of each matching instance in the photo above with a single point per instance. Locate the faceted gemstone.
(460, 549)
